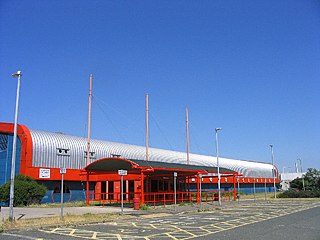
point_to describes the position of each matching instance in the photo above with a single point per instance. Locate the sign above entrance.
(122, 172)
(44, 173)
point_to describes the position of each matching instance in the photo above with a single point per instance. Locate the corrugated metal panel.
(45, 145)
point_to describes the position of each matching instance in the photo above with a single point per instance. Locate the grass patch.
(56, 205)
(75, 204)
(67, 220)
(144, 207)
(260, 195)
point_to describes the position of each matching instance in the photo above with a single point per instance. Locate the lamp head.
(271, 145)
(218, 129)
(17, 74)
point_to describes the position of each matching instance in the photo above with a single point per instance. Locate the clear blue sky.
(250, 67)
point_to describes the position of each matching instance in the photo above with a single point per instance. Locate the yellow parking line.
(213, 225)
(205, 230)
(157, 215)
(153, 226)
(94, 235)
(189, 232)
(228, 223)
(168, 234)
(118, 237)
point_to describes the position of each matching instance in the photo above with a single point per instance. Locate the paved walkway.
(23, 213)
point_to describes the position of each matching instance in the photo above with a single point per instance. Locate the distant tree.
(26, 191)
(296, 183)
(311, 180)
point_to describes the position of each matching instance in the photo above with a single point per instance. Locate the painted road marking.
(176, 226)
(156, 215)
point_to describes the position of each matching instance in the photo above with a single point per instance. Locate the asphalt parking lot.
(228, 222)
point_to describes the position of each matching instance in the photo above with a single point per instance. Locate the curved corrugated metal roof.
(45, 145)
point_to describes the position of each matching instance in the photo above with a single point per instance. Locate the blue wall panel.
(6, 145)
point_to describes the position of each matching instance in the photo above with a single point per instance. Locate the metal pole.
(61, 192)
(254, 189)
(187, 136)
(296, 167)
(239, 189)
(200, 189)
(121, 194)
(147, 127)
(265, 189)
(217, 151)
(304, 189)
(14, 149)
(273, 172)
(89, 121)
(175, 190)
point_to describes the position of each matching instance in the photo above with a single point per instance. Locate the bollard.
(136, 203)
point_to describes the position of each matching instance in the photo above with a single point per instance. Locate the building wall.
(38, 151)
(47, 147)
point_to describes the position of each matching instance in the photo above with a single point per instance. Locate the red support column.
(117, 190)
(97, 191)
(87, 190)
(234, 188)
(188, 185)
(147, 186)
(127, 191)
(142, 188)
(107, 190)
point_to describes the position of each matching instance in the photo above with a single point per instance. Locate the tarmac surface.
(244, 220)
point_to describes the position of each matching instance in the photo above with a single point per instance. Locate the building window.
(57, 189)
(3, 142)
(92, 155)
(63, 152)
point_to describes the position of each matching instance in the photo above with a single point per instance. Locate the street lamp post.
(273, 171)
(299, 159)
(175, 174)
(254, 189)
(18, 75)
(238, 194)
(218, 166)
(265, 189)
(200, 189)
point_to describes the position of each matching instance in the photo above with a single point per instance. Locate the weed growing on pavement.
(55, 205)
(49, 221)
(144, 207)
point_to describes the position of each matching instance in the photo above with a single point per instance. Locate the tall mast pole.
(147, 127)
(89, 120)
(273, 171)
(187, 135)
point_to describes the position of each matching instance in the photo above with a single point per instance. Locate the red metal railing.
(160, 197)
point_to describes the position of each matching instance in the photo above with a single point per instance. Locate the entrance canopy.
(150, 181)
(132, 165)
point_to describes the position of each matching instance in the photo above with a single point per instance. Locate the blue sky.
(250, 67)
